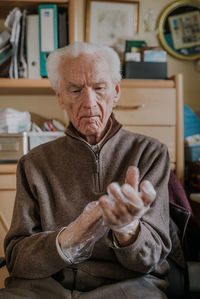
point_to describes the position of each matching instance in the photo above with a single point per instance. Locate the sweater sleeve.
(30, 251)
(153, 242)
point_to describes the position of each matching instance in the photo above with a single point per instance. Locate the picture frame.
(185, 29)
(178, 44)
(109, 21)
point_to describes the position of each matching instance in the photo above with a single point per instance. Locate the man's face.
(87, 93)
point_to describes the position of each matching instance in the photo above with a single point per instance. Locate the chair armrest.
(193, 272)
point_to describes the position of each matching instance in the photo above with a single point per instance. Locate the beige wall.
(46, 105)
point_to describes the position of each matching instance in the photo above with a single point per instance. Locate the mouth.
(88, 116)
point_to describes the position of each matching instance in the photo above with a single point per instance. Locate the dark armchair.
(184, 259)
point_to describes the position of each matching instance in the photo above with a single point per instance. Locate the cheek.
(108, 107)
(72, 112)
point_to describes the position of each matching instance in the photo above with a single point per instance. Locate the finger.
(132, 177)
(126, 206)
(121, 203)
(92, 212)
(135, 203)
(148, 192)
(108, 208)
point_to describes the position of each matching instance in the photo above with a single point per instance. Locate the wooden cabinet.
(7, 198)
(155, 108)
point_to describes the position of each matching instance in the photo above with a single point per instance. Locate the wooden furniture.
(155, 108)
(7, 197)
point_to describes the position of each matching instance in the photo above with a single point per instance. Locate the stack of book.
(6, 52)
(29, 38)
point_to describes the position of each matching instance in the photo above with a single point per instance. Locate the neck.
(94, 139)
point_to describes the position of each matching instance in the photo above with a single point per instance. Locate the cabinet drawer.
(7, 181)
(146, 106)
(6, 207)
(166, 135)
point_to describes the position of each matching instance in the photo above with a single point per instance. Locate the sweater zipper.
(97, 172)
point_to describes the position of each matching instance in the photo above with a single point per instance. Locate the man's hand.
(83, 228)
(123, 206)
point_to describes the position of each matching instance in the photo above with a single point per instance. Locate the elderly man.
(91, 215)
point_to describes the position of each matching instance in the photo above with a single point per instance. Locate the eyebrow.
(74, 85)
(99, 83)
(77, 85)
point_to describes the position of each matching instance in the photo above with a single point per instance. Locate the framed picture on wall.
(185, 29)
(109, 21)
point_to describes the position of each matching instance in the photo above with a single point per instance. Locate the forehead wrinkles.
(84, 67)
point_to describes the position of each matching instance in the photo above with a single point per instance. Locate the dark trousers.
(144, 287)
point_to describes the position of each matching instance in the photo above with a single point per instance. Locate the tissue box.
(154, 56)
(192, 153)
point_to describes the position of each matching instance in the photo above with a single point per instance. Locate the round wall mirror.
(179, 29)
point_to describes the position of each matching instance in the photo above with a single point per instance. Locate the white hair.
(74, 50)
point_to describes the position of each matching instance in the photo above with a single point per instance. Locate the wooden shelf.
(32, 5)
(25, 86)
(151, 83)
(42, 86)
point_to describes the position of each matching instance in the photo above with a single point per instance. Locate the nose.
(89, 98)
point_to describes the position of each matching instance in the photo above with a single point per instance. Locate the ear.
(60, 100)
(117, 92)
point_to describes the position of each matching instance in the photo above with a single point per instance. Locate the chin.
(91, 130)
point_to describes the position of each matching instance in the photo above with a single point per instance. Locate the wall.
(47, 106)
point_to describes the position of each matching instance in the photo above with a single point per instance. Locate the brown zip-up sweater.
(56, 180)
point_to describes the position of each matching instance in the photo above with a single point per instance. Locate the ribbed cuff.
(60, 252)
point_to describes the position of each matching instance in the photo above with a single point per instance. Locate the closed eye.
(76, 90)
(99, 87)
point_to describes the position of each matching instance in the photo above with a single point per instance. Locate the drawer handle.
(134, 107)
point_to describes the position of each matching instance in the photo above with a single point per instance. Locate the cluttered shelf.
(8, 5)
(30, 30)
(42, 86)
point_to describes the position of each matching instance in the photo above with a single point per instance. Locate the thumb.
(132, 177)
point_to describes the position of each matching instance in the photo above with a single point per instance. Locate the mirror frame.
(164, 14)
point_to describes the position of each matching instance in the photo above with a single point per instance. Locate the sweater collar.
(114, 128)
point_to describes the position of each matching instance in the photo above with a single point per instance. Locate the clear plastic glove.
(125, 205)
(78, 239)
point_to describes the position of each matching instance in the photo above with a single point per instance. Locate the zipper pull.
(97, 162)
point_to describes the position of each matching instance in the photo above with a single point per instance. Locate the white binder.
(48, 33)
(33, 48)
